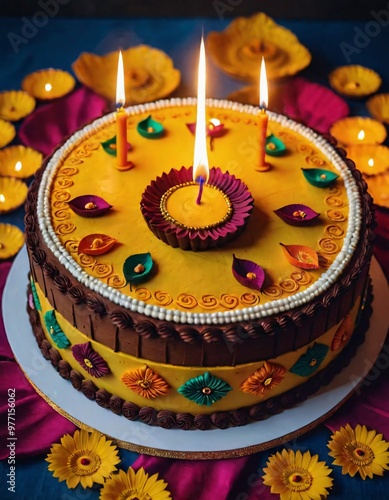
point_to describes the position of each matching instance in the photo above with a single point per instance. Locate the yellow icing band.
(175, 376)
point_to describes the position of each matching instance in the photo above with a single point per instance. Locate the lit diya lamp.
(197, 208)
(369, 159)
(358, 130)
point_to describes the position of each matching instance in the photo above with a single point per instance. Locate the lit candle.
(361, 135)
(262, 118)
(121, 119)
(370, 162)
(200, 161)
(48, 87)
(18, 166)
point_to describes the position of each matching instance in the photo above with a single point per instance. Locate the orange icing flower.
(264, 379)
(145, 382)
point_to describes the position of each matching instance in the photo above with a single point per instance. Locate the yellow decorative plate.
(13, 193)
(358, 130)
(19, 161)
(355, 80)
(149, 74)
(48, 83)
(239, 48)
(15, 104)
(7, 132)
(11, 240)
(378, 107)
(369, 159)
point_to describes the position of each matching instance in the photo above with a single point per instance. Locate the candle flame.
(120, 92)
(370, 162)
(2, 198)
(200, 161)
(263, 91)
(18, 166)
(361, 135)
(48, 87)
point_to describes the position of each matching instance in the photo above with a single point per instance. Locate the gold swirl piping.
(335, 190)
(305, 148)
(334, 201)
(208, 302)
(289, 285)
(71, 246)
(116, 281)
(69, 171)
(315, 161)
(186, 301)
(302, 277)
(60, 205)
(101, 270)
(61, 195)
(73, 161)
(334, 231)
(336, 215)
(328, 246)
(229, 301)
(250, 299)
(86, 260)
(163, 298)
(65, 228)
(61, 214)
(63, 183)
(143, 294)
(273, 291)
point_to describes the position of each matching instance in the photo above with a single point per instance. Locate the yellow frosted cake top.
(202, 283)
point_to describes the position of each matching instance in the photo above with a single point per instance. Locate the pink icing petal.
(248, 273)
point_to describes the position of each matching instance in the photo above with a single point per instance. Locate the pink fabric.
(49, 124)
(205, 479)
(38, 426)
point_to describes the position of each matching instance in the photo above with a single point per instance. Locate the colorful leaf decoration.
(214, 128)
(301, 256)
(96, 244)
(150, 128)
(297, 214)
(274, 146)
(35, 296)
(55, 332)
(137, 267)
(205, 389)
(319, 177)
(310, 361)
(248, 273)
(89, 205)
(109, 146)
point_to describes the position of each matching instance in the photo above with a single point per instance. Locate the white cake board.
(176, 443)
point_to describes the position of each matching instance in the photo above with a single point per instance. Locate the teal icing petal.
(274, 146)
(205, 389)
(309, 362)
(131, 264)
(55, 332)
(35, 296)
(150, 128)
(109, 146)
(319, 177)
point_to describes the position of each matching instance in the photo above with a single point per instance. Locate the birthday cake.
(198, 315)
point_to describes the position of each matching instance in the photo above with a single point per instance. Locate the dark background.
(222, 9)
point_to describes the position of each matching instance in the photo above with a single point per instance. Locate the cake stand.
(176, 443)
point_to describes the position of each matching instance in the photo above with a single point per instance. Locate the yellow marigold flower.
(295, 476)
(264, 379)
(359, 450)
(134, 485)
(145, 382)
(84, 458)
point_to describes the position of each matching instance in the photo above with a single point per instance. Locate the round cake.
(198, 315)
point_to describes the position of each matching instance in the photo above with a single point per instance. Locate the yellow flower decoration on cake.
(149, 74)
(239, 48)
(295, 476)
(359, 450)
(264, 379)
(145, 382)
(85, 458)
(133, 485)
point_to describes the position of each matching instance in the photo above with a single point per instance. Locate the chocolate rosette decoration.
(233, 199)
(130, 410)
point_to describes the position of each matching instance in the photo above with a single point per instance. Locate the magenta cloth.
(313, 104)
(206, 479)
(50, 124)
(38, 426)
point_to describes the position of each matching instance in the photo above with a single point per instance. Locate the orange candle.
(262, 118)
(121, 119)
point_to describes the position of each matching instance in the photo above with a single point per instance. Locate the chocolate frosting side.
(241, 416)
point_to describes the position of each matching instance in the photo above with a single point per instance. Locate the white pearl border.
(327, 279)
